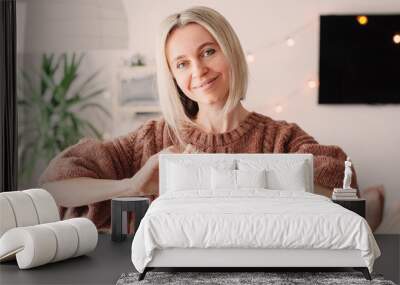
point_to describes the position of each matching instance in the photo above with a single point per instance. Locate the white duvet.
(252, 218)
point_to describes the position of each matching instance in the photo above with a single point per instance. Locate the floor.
(110, 260)
(389, 262)
(102, 266)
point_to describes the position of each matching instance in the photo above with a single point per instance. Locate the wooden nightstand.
(355, 205)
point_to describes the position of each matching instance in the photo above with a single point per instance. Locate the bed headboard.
(211, 158)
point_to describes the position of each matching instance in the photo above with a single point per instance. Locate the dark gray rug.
(229, 278)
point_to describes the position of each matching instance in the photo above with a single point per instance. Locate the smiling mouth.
(206, 83)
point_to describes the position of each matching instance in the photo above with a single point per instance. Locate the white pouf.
(23, 208)
(27, 208)
(31, 230)
(7, 220)
(40, 244)
(45, 205)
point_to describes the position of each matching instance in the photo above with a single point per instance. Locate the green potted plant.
(49, 118)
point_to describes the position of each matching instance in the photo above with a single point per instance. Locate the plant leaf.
(93, 129)
(97, 105)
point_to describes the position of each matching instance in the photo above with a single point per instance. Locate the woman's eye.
(180, 65)
(209, 52)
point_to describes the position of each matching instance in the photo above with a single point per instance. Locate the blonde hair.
(176, 107)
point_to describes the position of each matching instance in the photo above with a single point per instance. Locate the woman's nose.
(199, 69)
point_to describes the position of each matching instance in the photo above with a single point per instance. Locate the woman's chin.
(211, 103)
(211, 99)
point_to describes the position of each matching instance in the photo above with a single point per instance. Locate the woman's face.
(198, 65)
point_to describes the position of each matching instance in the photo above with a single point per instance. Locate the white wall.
(369, 134)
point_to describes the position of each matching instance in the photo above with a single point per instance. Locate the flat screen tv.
(359, 60)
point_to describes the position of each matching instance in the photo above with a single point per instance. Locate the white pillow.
(182, 177)
(292, 178)
(186, 175)
(281, 175)
(223, 179)
(235, 179)
(251, 178)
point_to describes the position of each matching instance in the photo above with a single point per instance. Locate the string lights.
(396, 39)
(250, 57)
(278, 108)
(290, 42)
(312, 84)
(362, 20)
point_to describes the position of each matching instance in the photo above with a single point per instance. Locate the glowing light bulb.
(312, 84)
(278, 108)
(396, 39)
(290, 42)
(250, 57)
(362, 20)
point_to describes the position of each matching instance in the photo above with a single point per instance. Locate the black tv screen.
(359, 60)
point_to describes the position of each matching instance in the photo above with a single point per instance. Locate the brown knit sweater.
(124, 156)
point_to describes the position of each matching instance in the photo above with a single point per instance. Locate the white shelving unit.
(132, 113)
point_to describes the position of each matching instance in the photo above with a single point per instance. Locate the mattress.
(250, 219)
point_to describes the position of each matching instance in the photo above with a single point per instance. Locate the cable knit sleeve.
(328, 159)
(113, 159)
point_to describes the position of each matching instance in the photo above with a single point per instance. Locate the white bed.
(194, 224)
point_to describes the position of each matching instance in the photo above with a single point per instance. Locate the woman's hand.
(153, 160)
(147, 177)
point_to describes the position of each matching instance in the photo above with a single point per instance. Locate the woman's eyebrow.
(199, 48)
(205, 44)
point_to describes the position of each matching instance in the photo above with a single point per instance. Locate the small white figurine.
(347, 174)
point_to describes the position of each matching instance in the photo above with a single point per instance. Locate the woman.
(202, 77)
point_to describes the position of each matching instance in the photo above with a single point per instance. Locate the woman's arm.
(81, 191)
(322, 190)
(93, 170)
(328, 159)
